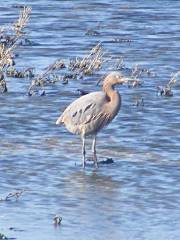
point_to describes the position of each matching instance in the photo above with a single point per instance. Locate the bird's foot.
(107, 161)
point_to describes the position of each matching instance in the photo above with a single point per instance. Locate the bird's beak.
(124, 80)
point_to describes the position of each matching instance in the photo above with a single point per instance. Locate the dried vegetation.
(12, 196)
(64, 70)
(167, 89)
(9, 39)
(75, 68)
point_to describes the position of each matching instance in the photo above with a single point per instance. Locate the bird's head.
(114, 78)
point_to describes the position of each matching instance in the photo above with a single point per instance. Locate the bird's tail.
(59, 120)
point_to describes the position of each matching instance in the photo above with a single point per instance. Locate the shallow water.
(136, 197)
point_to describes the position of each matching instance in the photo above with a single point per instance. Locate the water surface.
(136, 197)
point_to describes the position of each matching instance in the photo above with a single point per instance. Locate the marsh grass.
(49, 76)
(24, 73)
(167, 89)
(13, 35)
(9, 38)
(89, 63)
(137, 73)
(75, 68)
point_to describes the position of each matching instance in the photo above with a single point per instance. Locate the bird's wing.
(85, 108)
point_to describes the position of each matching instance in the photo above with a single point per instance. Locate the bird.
(88, 114)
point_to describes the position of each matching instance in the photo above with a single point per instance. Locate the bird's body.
(88, 114)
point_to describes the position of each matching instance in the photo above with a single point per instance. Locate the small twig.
(12, 195)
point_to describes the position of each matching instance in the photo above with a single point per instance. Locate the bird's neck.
(113, 99)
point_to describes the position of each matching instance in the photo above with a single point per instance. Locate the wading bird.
(88, 114)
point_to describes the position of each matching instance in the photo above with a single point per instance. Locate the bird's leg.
(94, 151)
(83, 151)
